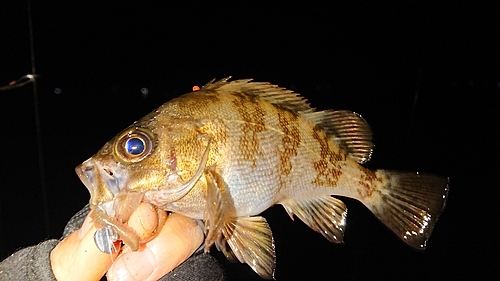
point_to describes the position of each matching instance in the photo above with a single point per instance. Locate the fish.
(230, 150)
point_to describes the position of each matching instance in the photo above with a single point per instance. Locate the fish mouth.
(106, 183)
(102, 183)
(110, 202)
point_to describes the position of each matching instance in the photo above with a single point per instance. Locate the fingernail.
(133, 266)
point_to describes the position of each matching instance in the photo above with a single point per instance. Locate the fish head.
(126, 167)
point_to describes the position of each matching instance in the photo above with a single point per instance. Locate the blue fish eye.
(134, 146)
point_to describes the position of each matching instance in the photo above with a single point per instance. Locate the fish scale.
(232, 149)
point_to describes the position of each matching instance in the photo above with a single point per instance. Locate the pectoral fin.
(252, 243)
(325, 215)
(215, 215)
(250, 239)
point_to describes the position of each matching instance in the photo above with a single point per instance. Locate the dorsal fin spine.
(348, 129)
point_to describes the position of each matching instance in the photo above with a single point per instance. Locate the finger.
(177, 241)
(145, 221)
(78, 258)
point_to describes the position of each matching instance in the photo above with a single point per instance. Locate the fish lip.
(85, 172)
(102, 181)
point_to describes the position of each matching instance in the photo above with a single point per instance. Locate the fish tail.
(409, 204)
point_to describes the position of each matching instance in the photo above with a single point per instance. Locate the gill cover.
(164, 196)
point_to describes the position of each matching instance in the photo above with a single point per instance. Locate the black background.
(371, 58)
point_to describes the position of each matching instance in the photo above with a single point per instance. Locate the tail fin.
(410, 204)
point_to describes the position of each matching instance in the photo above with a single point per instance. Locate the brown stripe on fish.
(253, 117)
(327, 168)
(369, 181)
(290, 140)
(217, 130)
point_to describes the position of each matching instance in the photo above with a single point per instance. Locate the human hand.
(78, 258)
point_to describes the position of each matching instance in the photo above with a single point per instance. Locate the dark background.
(425, 76)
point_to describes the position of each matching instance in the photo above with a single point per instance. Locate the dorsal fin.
(282, 97)
(348, 129)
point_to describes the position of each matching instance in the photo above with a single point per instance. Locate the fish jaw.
(106, 181)
(112, 206)
(103, 183)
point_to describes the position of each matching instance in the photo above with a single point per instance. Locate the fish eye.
(133, 145)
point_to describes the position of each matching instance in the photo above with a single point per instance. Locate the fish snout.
(85, 172)
(101, 182)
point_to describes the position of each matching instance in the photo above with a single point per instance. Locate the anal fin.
(250, 239)
(326, 215)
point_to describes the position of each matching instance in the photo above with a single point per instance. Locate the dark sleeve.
(33, 263)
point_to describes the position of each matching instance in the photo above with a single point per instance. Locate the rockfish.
(227, 152)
